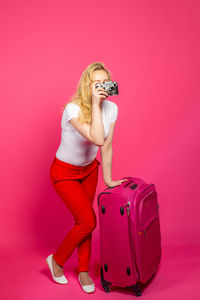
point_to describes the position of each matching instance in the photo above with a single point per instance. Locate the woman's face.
(99, 76)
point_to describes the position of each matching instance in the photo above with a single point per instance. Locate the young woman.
(88, 123)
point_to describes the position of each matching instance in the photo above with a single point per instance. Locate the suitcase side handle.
(137, 182)
(125, 183)
(128, 182)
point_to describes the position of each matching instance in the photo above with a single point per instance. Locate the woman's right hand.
(98, 94)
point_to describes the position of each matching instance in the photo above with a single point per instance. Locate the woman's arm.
(84, 130)
(97, 128)
(94, 132)
(106, 156)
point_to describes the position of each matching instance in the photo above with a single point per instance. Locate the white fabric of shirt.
(74, 148)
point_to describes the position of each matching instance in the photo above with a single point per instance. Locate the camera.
(111, 87)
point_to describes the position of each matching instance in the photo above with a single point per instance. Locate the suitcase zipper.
(127, 209)
(131, 241)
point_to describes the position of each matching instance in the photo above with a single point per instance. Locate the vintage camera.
(111, 87)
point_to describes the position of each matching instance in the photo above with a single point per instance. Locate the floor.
(26, 276)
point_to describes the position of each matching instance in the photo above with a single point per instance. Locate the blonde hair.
(83, 94)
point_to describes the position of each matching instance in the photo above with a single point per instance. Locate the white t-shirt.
(74, 148)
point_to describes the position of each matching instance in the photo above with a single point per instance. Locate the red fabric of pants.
(76, 186)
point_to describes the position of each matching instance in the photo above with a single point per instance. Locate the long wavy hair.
(83, 94)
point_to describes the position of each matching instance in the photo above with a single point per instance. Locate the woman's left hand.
(113, 183)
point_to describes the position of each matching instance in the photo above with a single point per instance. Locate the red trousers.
(76, 186)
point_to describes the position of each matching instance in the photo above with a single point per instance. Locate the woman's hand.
(98, 94)
(115, 182)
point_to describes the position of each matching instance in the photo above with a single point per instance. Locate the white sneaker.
(90, 288)
(61, 279)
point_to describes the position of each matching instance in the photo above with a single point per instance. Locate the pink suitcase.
(130, 235)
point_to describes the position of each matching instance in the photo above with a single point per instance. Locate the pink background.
(152, 51)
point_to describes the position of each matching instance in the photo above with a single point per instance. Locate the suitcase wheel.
(104, 283)
(137, 290)
(106, 288)
(138, 293)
